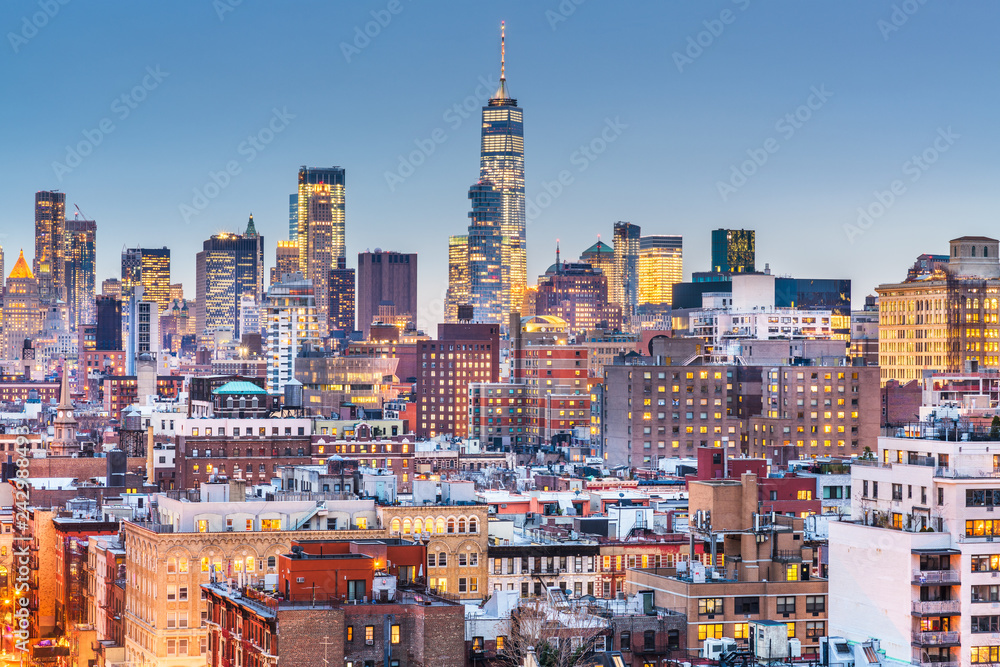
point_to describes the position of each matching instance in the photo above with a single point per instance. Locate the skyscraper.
(290, 321)
(488, 274)
(386, 277)
(109, 323)
(661, 266)
(342, 300)
(293, 217)
(50, 251)
(81, 271)
(229, 267)
(321, 230)
(733, 251)
(286, 260)
(150, 268)
(22, 312)
(625, 281)
(2, 274)
(458, 277)
(144, 330)
(601, 256)
(502, 165)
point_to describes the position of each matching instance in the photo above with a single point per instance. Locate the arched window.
(440, 525)
(407, 526)
(451, 526)
(395, 526)
(954, 252)
(473, 525)
(418, 526)
(442, 559)
(973, 251)
(986, 251)
(431, 560)
(461, 525)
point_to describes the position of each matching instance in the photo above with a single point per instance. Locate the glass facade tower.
(502, 164)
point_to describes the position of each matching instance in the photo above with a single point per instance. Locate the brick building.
(463, 354)
(198, 459)
(384, 622)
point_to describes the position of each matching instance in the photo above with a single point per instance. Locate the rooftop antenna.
(503, 51)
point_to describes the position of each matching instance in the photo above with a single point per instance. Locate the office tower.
(293, 217)
(109, 323)
(458, 277)
(502, 165)
(625, 279)
(229, 268)
(733, 251)
(321, 230)
(50, 250)
(112, 287)
(578, 294)
(2, 274)
(81, 270)
(150, 268)
(601, 256)
(342, 300)
(290, 321)
(22, 309)
(473, 355)
(384, 278)
(949, 314)
(488, 274)
(176, 292)
(144, 329)
(286, 260)
(249, 316)
(660, 268)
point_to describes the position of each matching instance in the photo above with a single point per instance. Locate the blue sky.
(673, 99)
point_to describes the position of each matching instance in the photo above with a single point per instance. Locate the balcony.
(936, 577)
(936, 638)
(937, 607)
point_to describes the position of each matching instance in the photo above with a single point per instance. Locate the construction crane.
(79, 213)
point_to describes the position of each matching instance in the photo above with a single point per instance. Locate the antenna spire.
(503, 51)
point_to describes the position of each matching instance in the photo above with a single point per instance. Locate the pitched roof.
(21, 269)
(599, 247)
(239, 387)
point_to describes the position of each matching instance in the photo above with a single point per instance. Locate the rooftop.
(239, 387)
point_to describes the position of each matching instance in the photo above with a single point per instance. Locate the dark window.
(625, 642)
(786, 605)
(748, 605)
(649, 640)
(815, 603)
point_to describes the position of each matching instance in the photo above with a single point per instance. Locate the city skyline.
(863, 123)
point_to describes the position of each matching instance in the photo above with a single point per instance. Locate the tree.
(561, 636)
(995, 428)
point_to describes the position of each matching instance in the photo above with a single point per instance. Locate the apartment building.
(917, 565)
(768, 572)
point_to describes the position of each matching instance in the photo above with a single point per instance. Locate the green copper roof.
(251, 228)
(599, 247)
(239, 387)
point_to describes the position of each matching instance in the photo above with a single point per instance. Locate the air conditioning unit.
(369, 642)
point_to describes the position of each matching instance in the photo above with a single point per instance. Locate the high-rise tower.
(81, 271)
(458, 277)
(661, 266)
(229, 267)
(625, 281)
(150, 268)
(50, 249)
(488, 273)
(321, 230)
(502, 164)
